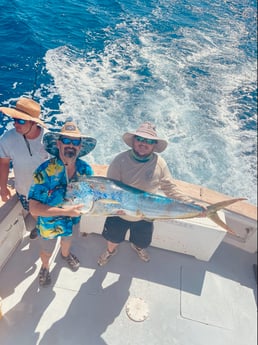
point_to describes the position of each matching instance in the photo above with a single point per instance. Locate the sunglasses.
(68, 141)
(20, 121)
(144, 140)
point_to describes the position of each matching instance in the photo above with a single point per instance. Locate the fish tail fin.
(216, 219)
(213, 209)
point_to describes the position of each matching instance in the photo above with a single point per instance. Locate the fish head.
(79, 193)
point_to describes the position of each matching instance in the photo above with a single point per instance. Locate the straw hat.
(68, 130)
(25, 109)
(148, 131)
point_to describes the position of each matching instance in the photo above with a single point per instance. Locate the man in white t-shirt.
(22, 146)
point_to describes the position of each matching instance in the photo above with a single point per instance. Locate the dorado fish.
(102, 196)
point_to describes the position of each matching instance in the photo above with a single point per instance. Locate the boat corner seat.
(199, 237)
(246, 229)
(12, 228)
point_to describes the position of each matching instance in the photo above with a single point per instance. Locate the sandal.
(44, 277)
(72, 261)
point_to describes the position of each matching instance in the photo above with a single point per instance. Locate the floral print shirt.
(49, 188)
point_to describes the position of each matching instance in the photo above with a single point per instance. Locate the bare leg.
(65, 246)
(111, 246)
(45, 259)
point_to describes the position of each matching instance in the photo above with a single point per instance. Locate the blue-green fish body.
(101, 196)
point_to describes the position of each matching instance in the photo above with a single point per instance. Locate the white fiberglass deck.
(190, 302)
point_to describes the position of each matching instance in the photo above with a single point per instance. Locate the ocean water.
(188, 66)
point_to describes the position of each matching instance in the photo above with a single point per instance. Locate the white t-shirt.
(13, 146)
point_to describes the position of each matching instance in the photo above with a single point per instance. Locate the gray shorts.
(48, 246)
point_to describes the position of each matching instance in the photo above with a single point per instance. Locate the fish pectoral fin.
(109, 201)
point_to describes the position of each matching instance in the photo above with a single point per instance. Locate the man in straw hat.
(47, 193)
(140, 167)
(23, 146)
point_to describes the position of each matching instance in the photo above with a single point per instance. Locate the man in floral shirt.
(48, 191)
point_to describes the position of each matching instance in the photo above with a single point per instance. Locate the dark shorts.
(115, 229)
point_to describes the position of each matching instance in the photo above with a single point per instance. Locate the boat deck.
(173, 299)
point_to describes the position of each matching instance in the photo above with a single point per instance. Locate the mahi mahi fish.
(101, 196)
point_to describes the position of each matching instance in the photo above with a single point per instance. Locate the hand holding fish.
(203, 213)
(73, 210)
(121, 213)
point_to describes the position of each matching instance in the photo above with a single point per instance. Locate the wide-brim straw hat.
(68, 130)
(148, 131)
(25, 109)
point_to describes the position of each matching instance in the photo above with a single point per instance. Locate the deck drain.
(137, 309)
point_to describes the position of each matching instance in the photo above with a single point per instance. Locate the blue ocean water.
(188, 66)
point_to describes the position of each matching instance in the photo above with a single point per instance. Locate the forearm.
(172, 191)
(4, 172)
(170, 188)
(38, 209)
